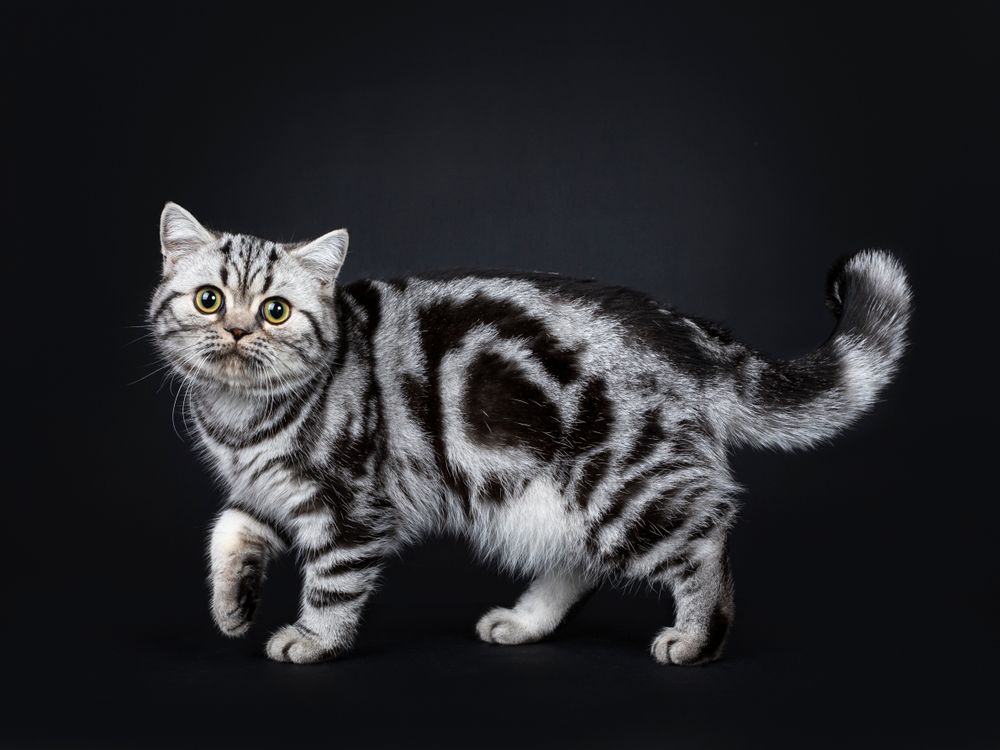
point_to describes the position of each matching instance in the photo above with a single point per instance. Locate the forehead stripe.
(271, 260)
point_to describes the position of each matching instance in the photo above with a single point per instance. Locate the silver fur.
(574, 433)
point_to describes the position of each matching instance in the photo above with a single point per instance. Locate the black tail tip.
(835, 283)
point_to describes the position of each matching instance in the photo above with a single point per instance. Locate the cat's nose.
(238, 333)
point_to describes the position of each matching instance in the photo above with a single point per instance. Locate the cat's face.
(241, 312)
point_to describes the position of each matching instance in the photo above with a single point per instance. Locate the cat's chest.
(263, 475)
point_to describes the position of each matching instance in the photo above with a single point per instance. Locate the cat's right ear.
(180, 234)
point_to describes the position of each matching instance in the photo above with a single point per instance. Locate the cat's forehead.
(242, 263)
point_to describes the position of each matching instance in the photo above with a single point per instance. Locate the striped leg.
(337, 583)
(537, 613)
(240, 549)
(703, 593)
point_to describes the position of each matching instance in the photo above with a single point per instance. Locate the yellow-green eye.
(275, 310)
(208, 300)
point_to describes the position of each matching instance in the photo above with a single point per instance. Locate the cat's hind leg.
(703, 592)
(537, 613)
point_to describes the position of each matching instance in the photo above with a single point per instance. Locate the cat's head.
(240, 312)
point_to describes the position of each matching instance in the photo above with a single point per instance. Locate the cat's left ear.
(323, 257)
(180, 234)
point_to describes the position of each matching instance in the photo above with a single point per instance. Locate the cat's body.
(572, 432)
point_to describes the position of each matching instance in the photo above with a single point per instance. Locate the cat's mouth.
(236, 367)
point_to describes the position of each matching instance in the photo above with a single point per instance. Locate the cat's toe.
(293, 644)
(506, 627)
(673, 646)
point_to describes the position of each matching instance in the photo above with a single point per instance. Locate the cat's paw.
(296, 644)
(234, 600)
(508, 627)
(673, 646)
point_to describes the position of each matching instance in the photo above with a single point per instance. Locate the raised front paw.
(298, 644)
(234, 598)
(508, 627)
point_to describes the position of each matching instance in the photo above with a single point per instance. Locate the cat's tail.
(797, 403)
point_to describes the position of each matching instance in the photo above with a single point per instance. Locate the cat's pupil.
(208, 299)
(276, 309)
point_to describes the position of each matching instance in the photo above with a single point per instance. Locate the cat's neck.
(229, 406)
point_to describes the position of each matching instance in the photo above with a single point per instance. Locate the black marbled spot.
(503, 408)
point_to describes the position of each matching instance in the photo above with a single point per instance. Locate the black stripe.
(435, 341)
(368, 296)
(268, 465)
(315, 326)
(312, 555)
(710, 522)
(251, 256)
(650, 437)
(658, 520)
(492, 490)
(163, 305)
(238, 439)
(594, 419)
(353, 533)
(349, 566)
(224, 274)
(416, 397)
(322, 598)
(269, 276)
(591, 476)
(309, 433)
(616, 506)
(304, 630)
(313, 504)
(368, 450)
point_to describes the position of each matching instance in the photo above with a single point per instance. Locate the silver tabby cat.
(574, 432)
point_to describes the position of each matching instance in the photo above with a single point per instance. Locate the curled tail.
(797, 403)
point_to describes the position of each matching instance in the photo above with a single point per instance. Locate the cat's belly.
(532, 532)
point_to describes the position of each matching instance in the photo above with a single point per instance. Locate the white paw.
(507, 627)
(672, 646)
(292, 643)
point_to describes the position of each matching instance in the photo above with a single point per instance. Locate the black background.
(720, 159)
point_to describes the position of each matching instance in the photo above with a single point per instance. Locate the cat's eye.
(208, 300)
(275, 310)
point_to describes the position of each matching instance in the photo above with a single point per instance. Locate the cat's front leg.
(240, 549)
(337, 583)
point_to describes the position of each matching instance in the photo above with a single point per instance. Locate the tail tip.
(880, 267)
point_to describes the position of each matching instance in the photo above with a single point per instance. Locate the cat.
(573, 432)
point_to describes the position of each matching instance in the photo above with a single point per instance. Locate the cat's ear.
(180, 234)
(323, 257)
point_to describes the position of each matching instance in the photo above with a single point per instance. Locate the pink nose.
(237, 333)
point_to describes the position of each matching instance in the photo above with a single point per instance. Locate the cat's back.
(562, 319)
